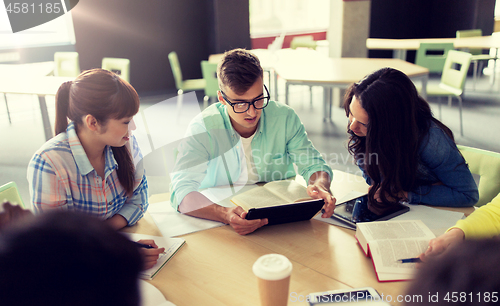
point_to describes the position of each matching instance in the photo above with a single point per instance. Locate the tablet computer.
(356, 210)
(286, 213)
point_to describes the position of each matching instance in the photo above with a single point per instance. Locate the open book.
(271, 194)
(171, 245)
(388, 241)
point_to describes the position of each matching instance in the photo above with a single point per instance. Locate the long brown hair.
(104, 95)
(399, 119)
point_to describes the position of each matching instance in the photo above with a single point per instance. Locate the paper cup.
(273, 275)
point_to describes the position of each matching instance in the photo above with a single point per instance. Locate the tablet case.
(287, 213)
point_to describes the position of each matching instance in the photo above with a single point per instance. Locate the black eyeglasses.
(241, 107)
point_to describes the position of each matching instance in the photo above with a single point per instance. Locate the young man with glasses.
(246, 138)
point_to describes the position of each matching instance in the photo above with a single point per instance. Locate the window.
(58, 31)
(290, 16)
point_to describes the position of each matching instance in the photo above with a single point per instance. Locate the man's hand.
(235, 217)
(319, 192)
(439, 245)
(197, 205)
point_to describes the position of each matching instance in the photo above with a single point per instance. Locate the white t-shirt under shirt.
(249, 173)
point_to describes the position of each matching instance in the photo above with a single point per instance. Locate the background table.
(35, 85)
(400, 46)
(342, 72)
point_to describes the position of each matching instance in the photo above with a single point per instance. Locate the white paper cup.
(273, 275)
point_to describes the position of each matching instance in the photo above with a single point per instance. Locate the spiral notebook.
(171, 245)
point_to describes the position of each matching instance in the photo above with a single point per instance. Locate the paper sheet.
(151, 296)
(172, 224)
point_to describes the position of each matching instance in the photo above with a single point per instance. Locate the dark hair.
(67, 258)
(238, 70)
(398, 121)
(104, 95)
(469, 270)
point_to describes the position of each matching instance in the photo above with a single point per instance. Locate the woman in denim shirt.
(406, 154)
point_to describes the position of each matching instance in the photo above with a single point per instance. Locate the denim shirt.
(212, 154)
(440, 161)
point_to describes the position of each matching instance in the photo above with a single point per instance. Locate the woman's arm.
(456, 186)
(47, 189)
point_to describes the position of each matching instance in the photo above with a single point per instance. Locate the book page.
(256, 198)
(289, 190)
(411, 229)
(385, 254)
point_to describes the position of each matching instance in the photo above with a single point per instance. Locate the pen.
(142, 245)
(409, 260)
(146, 246)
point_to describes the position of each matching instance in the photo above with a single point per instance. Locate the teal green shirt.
(211, 153)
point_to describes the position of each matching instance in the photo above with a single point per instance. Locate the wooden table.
(215, 266)
(34, 85)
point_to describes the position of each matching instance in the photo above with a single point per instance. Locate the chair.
(487, 165)
(66, 64)
(209, 72)
(183, 85)
(452, 80)
(306, 41)
(120, 66)
(477, 54)
(433, 55)
(9, 192)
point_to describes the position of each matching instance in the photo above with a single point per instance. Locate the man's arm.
(197, 205)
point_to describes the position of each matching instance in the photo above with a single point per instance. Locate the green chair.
(306, 41)
(183, 85)
(452, 80)
(477, 54)
(9, 192)
(487, 165)
(432, 56)
(209, 72)
(66, 64)
(120, 66)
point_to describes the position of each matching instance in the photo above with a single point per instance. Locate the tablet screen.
(356, 210)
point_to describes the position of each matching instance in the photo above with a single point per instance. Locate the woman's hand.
(401, 194)
(439, 245)
(150, 256)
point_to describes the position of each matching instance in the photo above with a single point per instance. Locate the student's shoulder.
(55, 146)
(279, 109)
(437, 144)
(211, 118)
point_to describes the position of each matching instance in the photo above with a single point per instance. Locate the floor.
(24, 135)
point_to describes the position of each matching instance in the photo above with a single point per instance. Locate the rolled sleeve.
(484, 222)
(135, 207)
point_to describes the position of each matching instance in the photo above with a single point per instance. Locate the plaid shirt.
(61, 177)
